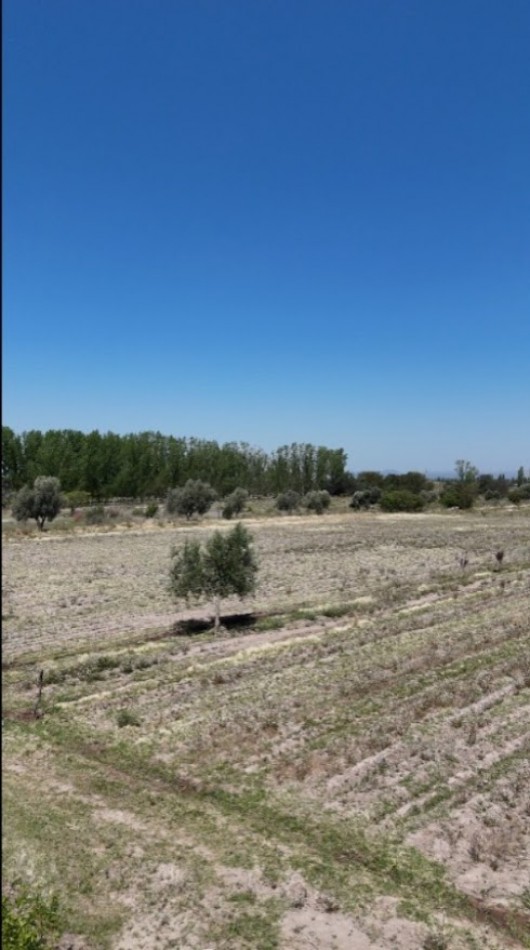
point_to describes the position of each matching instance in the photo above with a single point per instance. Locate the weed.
(435, 941)
(274, 622)
(126, 717)
(29, 922)
(251, 931)
(243, 897)
(106, 663)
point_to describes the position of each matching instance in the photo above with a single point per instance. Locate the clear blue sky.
(272, 221)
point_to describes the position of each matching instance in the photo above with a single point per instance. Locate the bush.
(519, 494)
(95, 515)
(429, 495)
(235, 503)
(126, 717)
(28, 922)
(401, 500)
(492, 483)
(288, 501)
(317, 501)
(196, 497)
(76, 499)
(151, 510)
(366, 498)
(42, 502)
(458, 495)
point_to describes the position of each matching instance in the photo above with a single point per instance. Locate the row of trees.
(411, 492)
(94, 468)
(149, 464)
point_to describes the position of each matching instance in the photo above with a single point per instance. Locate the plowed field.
(349, 771)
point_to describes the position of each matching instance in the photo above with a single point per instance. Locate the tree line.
(149, 464)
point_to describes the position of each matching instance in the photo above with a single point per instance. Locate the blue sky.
(271, 221)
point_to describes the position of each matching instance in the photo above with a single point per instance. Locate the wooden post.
(36, 710)
(217, 622)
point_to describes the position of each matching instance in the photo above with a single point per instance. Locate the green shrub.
(235, 503)
(76, 499)
(401, 500)
(151, 509)
(365, 498)
(519, 494)
(429, 495)
(196, 497)
(458, 495)
(106, 662)
(126, 717)
(29, 922)
(317, 501)
(288, 501)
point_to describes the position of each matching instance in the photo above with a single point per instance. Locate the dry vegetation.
(350, 772)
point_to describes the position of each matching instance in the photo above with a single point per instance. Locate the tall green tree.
(13, 474)
(145, 464)
(465, 471)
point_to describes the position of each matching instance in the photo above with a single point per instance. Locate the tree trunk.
(217, 621)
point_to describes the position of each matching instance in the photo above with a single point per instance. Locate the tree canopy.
(149, 464)
(42, 502)
(225, 565)
(195, 498)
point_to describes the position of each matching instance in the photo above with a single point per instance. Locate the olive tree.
(42, 502)
(317, 501)
(225, 565)
(288, 501)
(196, 497)
(235, 503)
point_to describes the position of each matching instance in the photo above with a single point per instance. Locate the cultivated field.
(351, 771)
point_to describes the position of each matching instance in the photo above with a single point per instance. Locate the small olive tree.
(224, 566)
(235, 503)
(288, 501)
(196, 497)
(42, 502)
(317, 501)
